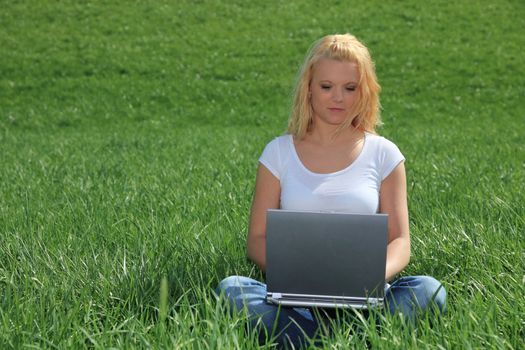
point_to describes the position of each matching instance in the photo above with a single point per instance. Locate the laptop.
(325, 259)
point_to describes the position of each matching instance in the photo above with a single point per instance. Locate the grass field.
(129, 139)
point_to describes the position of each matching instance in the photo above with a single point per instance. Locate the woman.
(332, 159)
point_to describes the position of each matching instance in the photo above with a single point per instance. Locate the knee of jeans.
(435, 292)
(231, 281)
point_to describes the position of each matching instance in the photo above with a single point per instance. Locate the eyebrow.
(347, 83)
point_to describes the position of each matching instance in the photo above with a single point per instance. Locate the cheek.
(318, 97)
(352, 98)
(316, 102)
(313, 98)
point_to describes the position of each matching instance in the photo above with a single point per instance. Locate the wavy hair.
(343, 47)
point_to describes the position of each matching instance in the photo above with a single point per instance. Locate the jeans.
(411, 296)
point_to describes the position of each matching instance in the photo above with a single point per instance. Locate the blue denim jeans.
(411, 296)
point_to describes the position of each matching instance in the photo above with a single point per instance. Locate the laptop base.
(323, 301)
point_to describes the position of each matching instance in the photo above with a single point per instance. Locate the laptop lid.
(326, 254)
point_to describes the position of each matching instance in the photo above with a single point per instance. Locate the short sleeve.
(391, 156)
(271, 159)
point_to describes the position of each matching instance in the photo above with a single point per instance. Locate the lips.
(333, 109)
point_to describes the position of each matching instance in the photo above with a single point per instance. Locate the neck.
(330, 135)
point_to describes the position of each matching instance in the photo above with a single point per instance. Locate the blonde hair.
(343, 47)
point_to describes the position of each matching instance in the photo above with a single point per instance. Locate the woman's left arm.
(393, 201)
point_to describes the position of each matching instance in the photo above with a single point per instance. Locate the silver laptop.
(323, 259)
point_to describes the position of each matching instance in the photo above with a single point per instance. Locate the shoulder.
(280, 141)
(380, 141)
(385, 153)
(278, 146)
(381, 146)
(276, 153)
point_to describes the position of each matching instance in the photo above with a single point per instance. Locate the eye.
(325, 87)
(350, 88)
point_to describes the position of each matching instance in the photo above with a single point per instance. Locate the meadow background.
(129, 139)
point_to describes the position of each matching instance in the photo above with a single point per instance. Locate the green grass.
(129, 138)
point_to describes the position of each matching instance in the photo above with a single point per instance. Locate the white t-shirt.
(354, 189)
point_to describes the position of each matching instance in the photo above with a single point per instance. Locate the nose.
(337, 95)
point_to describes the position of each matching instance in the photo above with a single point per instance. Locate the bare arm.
(267, 196)
(393, 201)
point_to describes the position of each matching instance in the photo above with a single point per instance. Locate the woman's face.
(333, 91)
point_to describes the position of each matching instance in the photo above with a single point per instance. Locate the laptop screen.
(319, 253)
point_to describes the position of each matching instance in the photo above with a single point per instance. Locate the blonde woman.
(332, 159)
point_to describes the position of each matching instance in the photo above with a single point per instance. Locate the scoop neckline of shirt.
(351, 165)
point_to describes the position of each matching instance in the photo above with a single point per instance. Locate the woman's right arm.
(267, 196)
